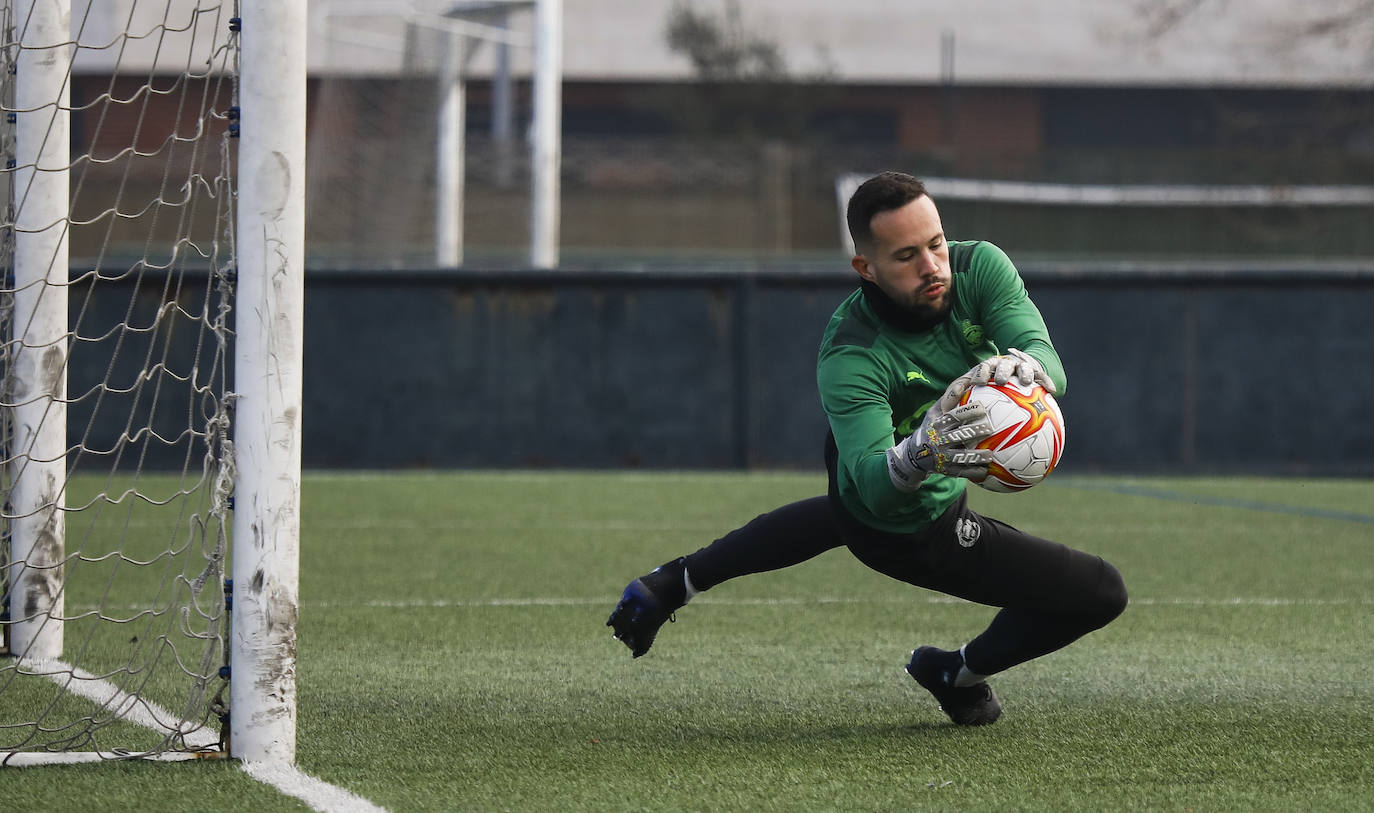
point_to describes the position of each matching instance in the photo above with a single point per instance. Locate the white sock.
(966, 676)
(691, 589)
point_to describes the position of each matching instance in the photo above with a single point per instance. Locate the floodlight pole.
(38, 467)
(267, 381)
(545, 159)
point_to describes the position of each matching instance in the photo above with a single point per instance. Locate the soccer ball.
(1027, 434)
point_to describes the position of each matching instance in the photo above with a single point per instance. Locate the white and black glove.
(943, 445)
(998, 370)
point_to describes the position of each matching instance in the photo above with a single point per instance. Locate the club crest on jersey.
(973, 334)
(967, 531)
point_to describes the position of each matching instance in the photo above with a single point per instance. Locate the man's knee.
(1109, 600)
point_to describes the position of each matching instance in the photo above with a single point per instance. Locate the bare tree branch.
(1163, 16)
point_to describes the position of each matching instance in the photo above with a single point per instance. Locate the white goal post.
(150, 410)
(37, 360)
(270, 333)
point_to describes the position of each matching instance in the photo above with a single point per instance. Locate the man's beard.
(919, 308)
(914, 316)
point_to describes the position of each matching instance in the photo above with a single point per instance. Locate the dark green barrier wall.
(1194, 372)
(1179, 371)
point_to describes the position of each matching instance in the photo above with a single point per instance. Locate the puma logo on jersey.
(916, 375)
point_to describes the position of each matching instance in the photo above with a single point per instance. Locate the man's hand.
(997, 370)
(942, 445)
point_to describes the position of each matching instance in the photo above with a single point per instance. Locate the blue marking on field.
(1224, 502)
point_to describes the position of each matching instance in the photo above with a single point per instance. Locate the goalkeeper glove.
(941, 445)
(998, 370)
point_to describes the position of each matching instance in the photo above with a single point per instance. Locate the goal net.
(121, 140)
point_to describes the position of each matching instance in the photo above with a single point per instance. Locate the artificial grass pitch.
(453, 656)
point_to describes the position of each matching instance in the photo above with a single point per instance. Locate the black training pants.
(1049, 594)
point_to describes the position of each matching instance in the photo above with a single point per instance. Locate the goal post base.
(28, 759)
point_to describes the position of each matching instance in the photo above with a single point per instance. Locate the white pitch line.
(287, 779)
(317, 793)
(124, 706)
(1256, 602)
(598, 601)
(1224, 601)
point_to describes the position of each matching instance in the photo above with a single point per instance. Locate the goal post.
(150, 407)
(38, 359)
(267, 379)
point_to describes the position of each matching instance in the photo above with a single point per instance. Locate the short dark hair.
(881, 193)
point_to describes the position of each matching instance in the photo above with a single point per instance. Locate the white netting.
(144, 483)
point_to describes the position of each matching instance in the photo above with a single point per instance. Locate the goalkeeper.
(930, 319)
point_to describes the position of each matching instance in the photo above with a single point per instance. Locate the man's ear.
(861, 266)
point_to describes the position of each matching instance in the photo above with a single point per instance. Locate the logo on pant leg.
(967, 531)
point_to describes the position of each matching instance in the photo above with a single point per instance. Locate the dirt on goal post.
(120, 138)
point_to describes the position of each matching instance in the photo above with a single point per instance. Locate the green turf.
(433, 678)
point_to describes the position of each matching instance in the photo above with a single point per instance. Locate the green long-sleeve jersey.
(877, 379)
